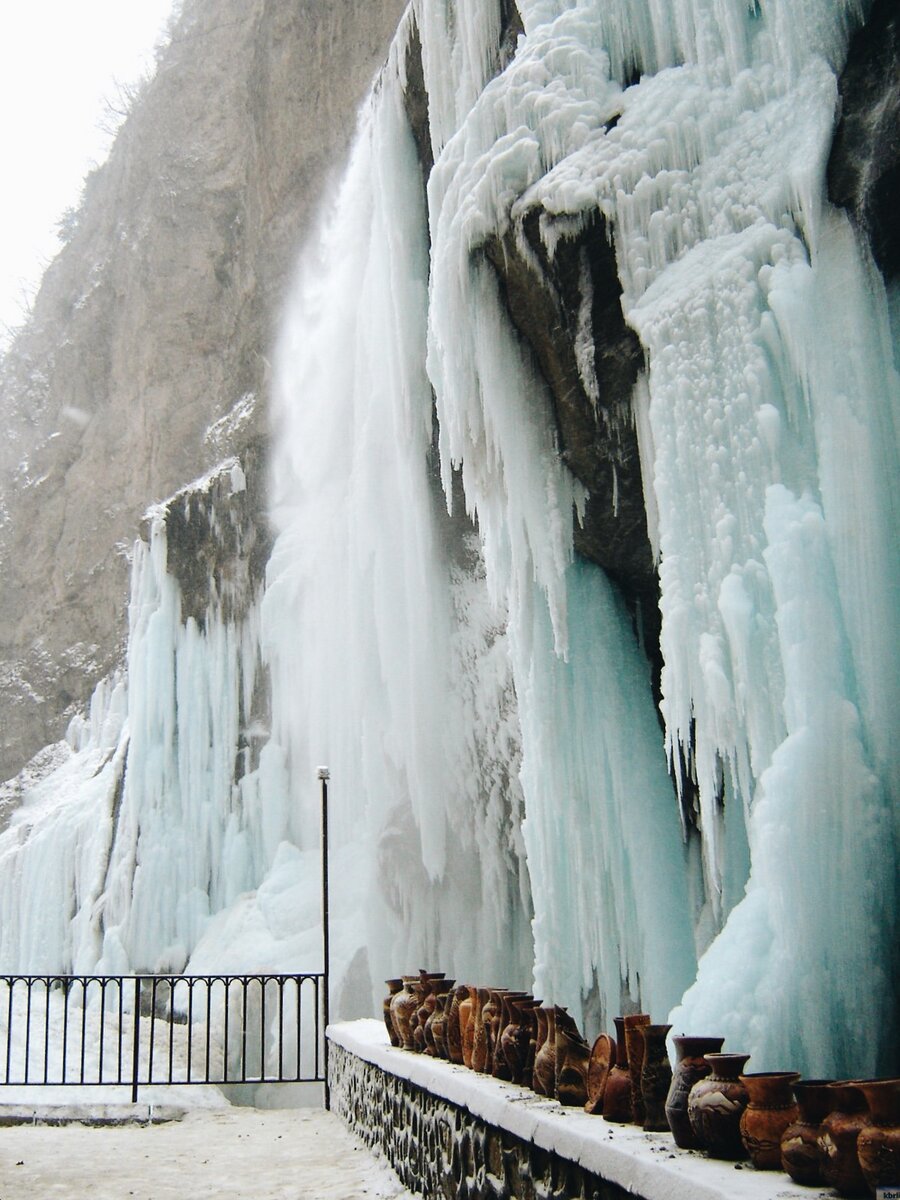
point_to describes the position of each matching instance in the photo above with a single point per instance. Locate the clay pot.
(690, 1067)
(544, 1079)
(656, 1077)
(573, 1055)
(423, 1015)
(429, 982)
(507, 1000)
(394, 986)
(435, 1039)
(479, 1061)
(715, 1106)
(500, 1068)
(529, 1009)
(540, 1019)
(801, 1156)
(771, 1109)
(453, 1031)
(838, 1136)
(530, 1018)
(403, 1004)
(603, 1056)
(878, 1145)
(439, 1024)
(491, 1018)
(511, 1048)
(466, 1025)
(634, 1046)
(617, 1096)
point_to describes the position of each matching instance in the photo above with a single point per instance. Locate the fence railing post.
(136, 1048)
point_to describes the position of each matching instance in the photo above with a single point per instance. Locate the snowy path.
(239, 1153)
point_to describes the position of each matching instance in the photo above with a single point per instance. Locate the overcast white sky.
(58, 60)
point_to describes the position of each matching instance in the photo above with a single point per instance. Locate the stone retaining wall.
(452, 1134)
(442, 1151)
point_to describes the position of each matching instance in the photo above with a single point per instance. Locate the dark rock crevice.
(511, 27)
(567, 308)
(864, 166)
(415, 102)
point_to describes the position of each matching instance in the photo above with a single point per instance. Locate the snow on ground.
(240, 1153)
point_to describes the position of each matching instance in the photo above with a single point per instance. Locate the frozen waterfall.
(515, 799)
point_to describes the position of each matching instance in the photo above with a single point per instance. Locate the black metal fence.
(138, 1030)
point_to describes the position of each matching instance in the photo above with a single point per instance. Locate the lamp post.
(324, 775)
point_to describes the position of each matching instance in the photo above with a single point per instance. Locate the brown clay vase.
(540, 1036)
(801, 1156)
(403, 1005)
(479, 1033)
(690, 1067)
(439, 1024)
(500, 1068)
(634, 1045)
(838, 1135)
(531, 1016)
(656, 1077)
(424, 1013)
(545, 1058)
(617, 1095)
(454, 1028)
(503, 1018)
(603, 1057)
(573, 1055)
(417, 1018)
(491, 1017)
(493, 1023)
(430, 983)
(528, 1010)
(715, 1106)
(507, 1058)
(394, 986)
(434, 1025)
(770, 1110)
(878, 1145)
(466, 1023)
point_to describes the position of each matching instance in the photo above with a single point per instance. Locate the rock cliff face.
(145, 362)
(864, 168)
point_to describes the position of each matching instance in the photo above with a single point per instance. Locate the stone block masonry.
(453, 1135)
(441, 1150)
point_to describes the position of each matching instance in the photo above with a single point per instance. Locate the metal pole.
(324, 775)
(136, 1044)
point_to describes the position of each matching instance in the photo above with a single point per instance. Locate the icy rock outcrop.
(148, 822)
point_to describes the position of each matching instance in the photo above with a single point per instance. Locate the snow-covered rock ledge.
(441, 1125)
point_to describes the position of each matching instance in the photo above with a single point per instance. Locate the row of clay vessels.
(842, 1134)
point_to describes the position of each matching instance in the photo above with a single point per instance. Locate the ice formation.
(504, 795)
